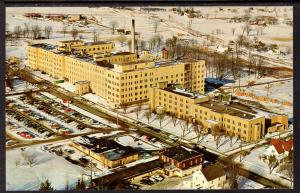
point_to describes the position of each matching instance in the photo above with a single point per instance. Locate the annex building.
(214, 112)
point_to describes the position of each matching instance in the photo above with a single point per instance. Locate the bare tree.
(17, 31)
(272, 162)
(6, 28)
(244, 153)
(113, 25)
(48, 31)
(95, 35)
(207, 15)
(17, 162)
(261, 31)
(35, 31)
(142, 45)
(185, 127)
(233, 30)
(125, 107)
(218, 139)
(161, 117)
(257, 30)
(155, 25)
(232, 171)
(148, 115)
(288, 167)
(247, 28)
(64, 29)
(31, 160)
(138, 110)
(174, 118)
(74, 33)
(230, 135)
(247, 14)
(26, 30)
(197, 127)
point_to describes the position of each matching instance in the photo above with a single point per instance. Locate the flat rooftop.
(233, 108)
(115, 53)
(97, 42)
(67, 41)
(179, 153)
(44, 46)
(110, 149)
(213, 171)
(182, 92)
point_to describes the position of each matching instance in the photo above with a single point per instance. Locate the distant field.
(286, 39)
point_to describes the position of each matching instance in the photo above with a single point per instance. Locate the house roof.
(282, 145)
(179, 153)
(214, 171)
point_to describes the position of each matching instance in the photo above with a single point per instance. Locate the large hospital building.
(118, 77)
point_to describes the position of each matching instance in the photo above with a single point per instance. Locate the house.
(121, 31)
(181, 161)
(211, 177)
(33, 15)
(280, 148)
(75, 17)
(221, 49)
(55, 17)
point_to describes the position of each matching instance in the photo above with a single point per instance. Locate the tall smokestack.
(133, 37)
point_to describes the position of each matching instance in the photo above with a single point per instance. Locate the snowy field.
(20, 176)
(281, 91)
(254, 164)
(170, 24)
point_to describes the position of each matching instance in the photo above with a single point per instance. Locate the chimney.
(133, 37)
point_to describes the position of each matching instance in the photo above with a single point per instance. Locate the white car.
(158, 177)
(173, 137)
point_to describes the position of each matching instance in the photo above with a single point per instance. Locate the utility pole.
(117, 119)
(241, 146)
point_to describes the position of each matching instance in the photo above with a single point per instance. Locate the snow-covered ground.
(48, 166)
(170, 24)
(245, 183)
(256, 165)
(133, 141)
(282, 91)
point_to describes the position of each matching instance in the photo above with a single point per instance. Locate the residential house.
(181, 161)
(211, 177)
(280, 148)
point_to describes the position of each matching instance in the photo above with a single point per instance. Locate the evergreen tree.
(46, 186)
(80, 184)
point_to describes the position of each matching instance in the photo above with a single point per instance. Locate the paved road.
(60, 138)
(256, 84)
(127, 173)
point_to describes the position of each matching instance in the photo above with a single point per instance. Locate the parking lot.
(37, 117)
